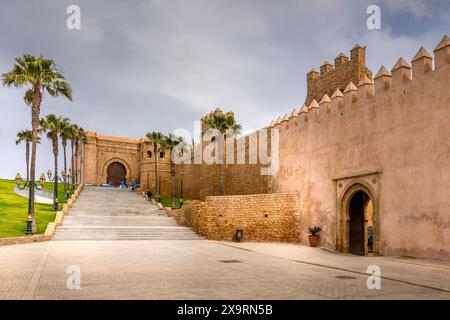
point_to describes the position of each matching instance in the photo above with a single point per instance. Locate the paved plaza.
(200, 269)
(100, 245)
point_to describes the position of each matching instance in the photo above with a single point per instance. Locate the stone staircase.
(118, 214)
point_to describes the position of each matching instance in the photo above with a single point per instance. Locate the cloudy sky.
(140, 65)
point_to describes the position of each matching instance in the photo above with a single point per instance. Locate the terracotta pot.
(313, 240)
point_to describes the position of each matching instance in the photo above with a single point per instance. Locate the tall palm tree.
(53, 125)
(222, 123)
(39, 75)
(27, 137)
(65, 135)
(74, 131)
(169, 143)
(157, 139)
(80, 138)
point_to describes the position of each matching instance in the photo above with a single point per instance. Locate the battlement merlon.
(216, 112)
(402, 75)
(330, 78)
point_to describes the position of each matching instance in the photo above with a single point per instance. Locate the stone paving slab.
(192, 270)
(427, 273)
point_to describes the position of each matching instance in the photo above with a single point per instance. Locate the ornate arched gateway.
(358, 216)
(116, 170)
(116, 173)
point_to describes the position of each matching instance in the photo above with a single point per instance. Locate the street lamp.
(42, 179)
(18, 179)
(55, 179)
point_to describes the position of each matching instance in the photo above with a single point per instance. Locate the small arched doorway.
(358, 225)
(360, 229)
(116, 173)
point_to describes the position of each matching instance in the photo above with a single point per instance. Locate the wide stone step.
(114, 214)
(139, 238)
(119, 221)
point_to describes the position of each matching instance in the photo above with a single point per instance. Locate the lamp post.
(64, 177)
(55, 179)
(18, 178)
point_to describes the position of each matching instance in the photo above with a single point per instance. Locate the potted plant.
(313, 236)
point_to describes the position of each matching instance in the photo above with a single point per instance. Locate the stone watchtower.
(338, 76)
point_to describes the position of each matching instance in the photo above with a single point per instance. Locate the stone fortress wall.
(331, 77)
(137, 157)
(262, 217)
(202, 180)
(388, 137)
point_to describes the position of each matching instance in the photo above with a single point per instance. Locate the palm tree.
(169, 143)
(40, 76)
(74, 131)
(53, 126)
(80, 138)
(65, 135)
(157, 139)
(27, 136)
(222, 123)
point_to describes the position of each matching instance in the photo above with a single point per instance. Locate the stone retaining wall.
(263, 217)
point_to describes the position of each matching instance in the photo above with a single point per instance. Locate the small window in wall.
(149, 154)
(161, 154)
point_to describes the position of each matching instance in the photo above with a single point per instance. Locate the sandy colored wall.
(266, 217)
(397, 142)
(147, 170)
(200, 181)
(100, 151)
(337, 76)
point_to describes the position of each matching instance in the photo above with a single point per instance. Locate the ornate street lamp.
(18, 179)
(42, 179)
(55, 179)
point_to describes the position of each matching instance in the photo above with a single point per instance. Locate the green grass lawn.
(14, 210)
(61, 199)
(167, 202)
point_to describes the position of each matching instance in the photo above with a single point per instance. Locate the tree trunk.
(65, 168)
(76, 161)
(155, 150)
(172, 174)
(81, 163)
(55, 185)
(27, 158)
(35, 114)
(220, 160)
(72, 166)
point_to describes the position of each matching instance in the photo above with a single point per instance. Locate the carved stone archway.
(119, 160)
(346, 189)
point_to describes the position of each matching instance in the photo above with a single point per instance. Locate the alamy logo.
(260, 147)
(73, 21)
(374, 20)
(74, 279)
(374, 281)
